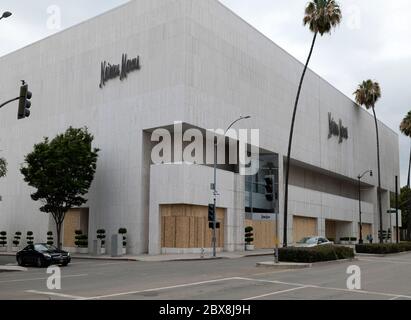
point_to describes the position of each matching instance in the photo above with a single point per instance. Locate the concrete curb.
(382, 254)
(296, 265)
(283, 265)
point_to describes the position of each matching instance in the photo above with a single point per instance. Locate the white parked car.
(309, 242)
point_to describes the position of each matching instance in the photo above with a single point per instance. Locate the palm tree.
(367, 95)
(405, 128)
(321, 16)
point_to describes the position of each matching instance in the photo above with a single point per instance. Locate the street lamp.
(6, 14)
(215, 193)
(360, 241)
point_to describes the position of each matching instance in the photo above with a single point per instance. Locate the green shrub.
(17, 237)
(101, 234)
(29, 237)
(344, 239)
(383, 248)
(50, 239)
(123, 231)
(249, 235)
(315, 254)
(81, 239)
(3, 238)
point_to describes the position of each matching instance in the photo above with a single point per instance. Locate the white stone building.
(202, 66)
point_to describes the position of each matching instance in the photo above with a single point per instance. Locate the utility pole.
(215, 193)
(397, 231)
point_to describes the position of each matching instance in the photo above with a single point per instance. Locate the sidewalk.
(168, 257)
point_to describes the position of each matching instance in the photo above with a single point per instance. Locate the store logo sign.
(336, 129)
(112, 71)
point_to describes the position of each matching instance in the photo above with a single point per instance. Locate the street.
(382, 278)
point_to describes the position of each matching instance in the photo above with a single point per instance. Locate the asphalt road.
(382, 278)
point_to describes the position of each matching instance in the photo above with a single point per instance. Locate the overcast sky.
(372, 42)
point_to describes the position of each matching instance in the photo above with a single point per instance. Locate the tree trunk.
(379, 175)
(287, 171)
(58, 229)
(59, 219)
(409, 171)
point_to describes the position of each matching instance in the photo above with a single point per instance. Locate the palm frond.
(322, 16)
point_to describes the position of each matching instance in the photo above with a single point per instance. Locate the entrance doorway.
(304, 227)
(76, 219)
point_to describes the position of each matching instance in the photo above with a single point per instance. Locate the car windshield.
(308, 240)
(44, 247)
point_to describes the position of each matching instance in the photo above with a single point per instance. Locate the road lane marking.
(35, 279)
(329, 288)
(159, 289)
(275, 292)
(49, 293)
(273, 281)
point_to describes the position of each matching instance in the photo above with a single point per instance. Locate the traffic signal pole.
(215, 199)
(7, 102)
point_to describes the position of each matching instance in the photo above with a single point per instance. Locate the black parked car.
(42, 255)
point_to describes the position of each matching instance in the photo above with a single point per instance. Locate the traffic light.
(211, 212)
(269, 188)
(24, 102)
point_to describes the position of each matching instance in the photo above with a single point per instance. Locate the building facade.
(180, 65)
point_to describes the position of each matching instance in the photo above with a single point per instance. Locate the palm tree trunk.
(287, 171)
(379, 175)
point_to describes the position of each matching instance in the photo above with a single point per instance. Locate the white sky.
(372, 42)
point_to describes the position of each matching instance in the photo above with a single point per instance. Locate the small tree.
(17, 237)
(62, 171)
(249, 235)
(30, 237)
(101, 234)
(3, 238)
(50, 239)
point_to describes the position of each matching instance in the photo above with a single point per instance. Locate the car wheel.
(20, 261)
(39, 262)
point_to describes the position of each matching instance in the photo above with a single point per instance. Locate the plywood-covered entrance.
(366, 230)
(76, 219)
(331, 230)
(264, 233)
(304, 227)
(186, 226)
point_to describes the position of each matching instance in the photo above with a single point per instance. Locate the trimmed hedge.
(383, 248)
(315, 254)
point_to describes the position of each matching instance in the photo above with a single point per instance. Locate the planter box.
(103, 250)
(82, 250)
(124, 251)
(249, 247)
(3, 249)
(15, 249)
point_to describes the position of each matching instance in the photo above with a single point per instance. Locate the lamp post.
(360, 241)
(5, 14)
(215, 193)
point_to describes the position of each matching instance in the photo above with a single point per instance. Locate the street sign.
(260, 216)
